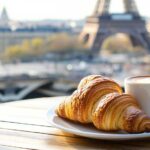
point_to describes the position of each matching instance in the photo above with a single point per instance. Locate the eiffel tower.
(102, 24)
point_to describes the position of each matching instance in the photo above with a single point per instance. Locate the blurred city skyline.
(64, 9)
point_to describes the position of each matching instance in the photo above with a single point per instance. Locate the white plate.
(88, 131)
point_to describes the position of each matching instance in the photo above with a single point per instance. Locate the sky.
(61, 9)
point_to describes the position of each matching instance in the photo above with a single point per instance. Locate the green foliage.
(37, 45)
(59, 43)
(14, 51)
(63, 42)
(120, 43)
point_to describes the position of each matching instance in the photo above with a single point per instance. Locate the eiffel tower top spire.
(130, 7)
(102, 7)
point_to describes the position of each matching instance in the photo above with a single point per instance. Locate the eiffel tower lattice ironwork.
(102, 24)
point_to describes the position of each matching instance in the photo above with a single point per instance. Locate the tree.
(120, 43)
(14, 51)
(37, 45)
(61, 43)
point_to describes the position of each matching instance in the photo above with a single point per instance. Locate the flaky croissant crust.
(78, 106)
(100, 101)
(120, 112)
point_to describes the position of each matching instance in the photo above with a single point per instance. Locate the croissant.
(120, 112)
(100, 101)
(78, 106)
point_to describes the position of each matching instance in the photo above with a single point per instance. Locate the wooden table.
(23, 125)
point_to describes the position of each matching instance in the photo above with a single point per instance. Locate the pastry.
(99, 100)
(119, 112)
(78, 106)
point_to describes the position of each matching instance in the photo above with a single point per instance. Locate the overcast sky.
(60, 9)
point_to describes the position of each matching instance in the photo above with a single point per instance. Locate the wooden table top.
(23, 125)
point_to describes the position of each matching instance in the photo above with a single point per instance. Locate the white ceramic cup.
(139, 87)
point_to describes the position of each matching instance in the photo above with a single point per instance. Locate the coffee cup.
(139, 87)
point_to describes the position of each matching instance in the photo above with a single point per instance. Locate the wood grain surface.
(23, 126)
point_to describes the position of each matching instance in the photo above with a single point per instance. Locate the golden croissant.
(100, 101)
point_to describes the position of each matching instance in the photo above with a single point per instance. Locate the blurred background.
(47, 46)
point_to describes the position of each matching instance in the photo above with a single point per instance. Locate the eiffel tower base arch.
(97, 29)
